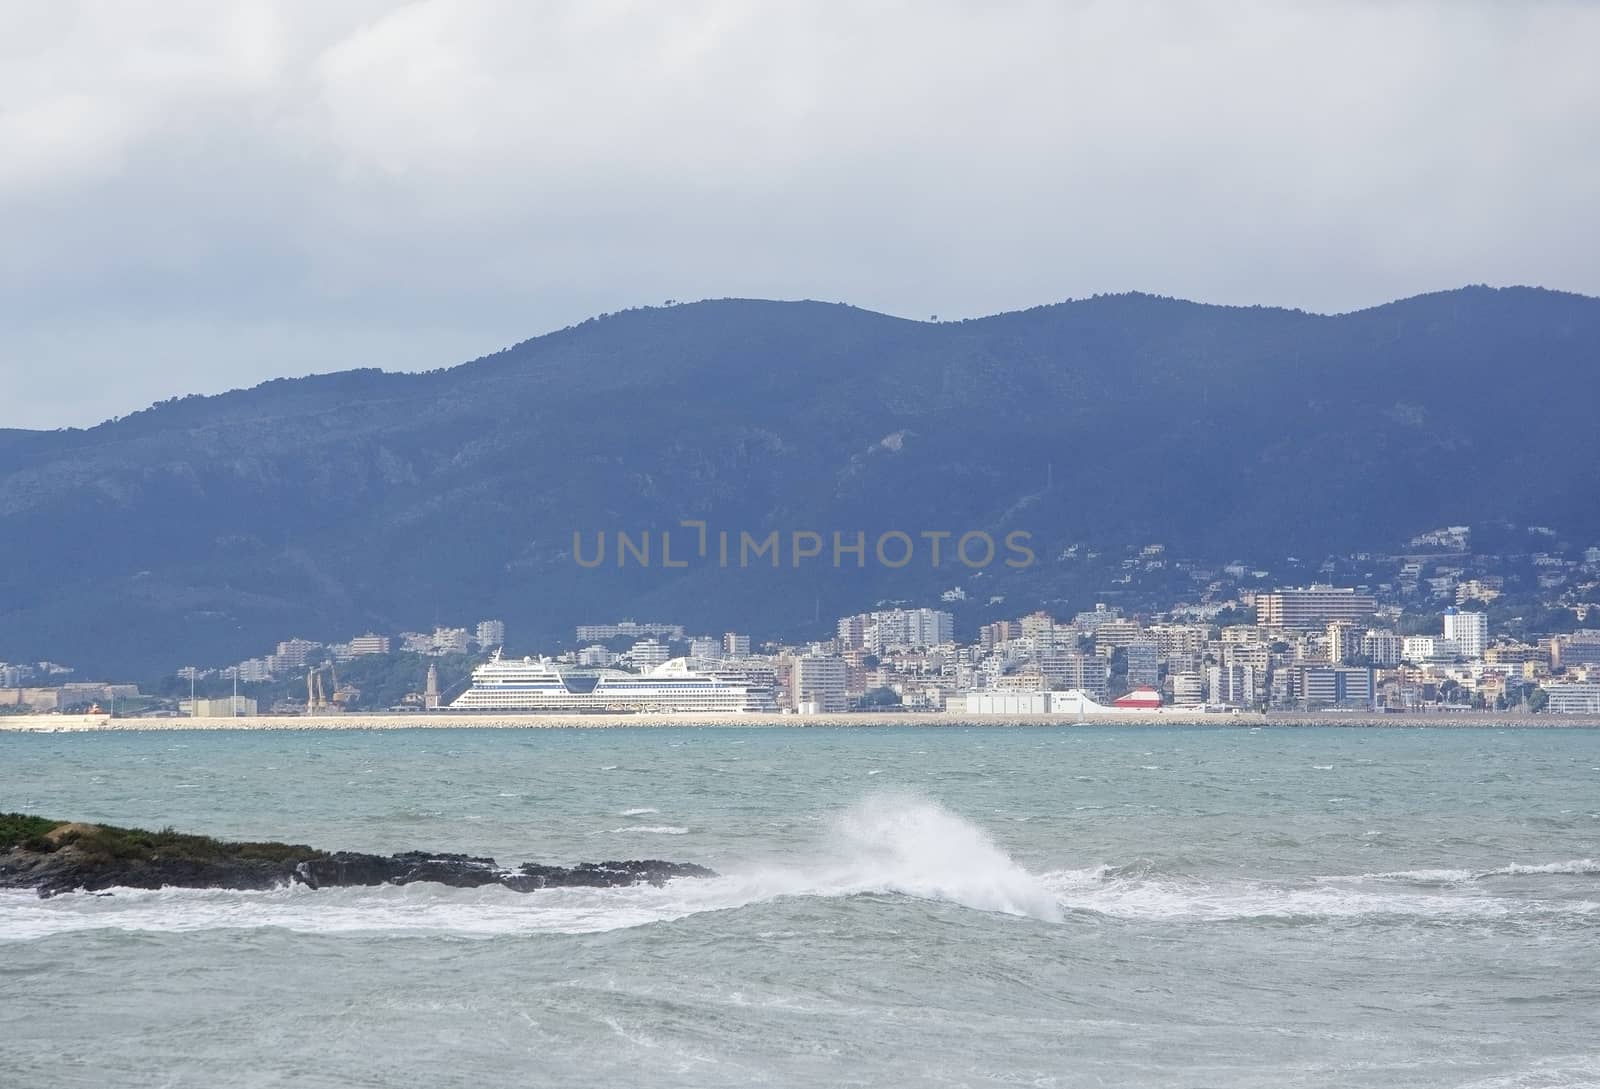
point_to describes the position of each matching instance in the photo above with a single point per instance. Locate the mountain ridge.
(333, 503)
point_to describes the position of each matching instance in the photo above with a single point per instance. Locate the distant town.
(1439, 627)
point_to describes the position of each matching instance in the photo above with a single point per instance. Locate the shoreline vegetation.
(456, 720)
(56, 856)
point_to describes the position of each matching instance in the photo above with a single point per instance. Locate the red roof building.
(1140, 699)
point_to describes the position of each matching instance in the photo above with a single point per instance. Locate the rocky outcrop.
(55, 856)
(465, 871)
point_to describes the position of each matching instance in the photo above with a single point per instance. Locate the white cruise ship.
(537, 684)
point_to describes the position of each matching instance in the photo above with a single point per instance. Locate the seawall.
(456, 720)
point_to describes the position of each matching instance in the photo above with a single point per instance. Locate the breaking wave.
(887, 845)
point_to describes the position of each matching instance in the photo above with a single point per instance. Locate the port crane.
(317, 697)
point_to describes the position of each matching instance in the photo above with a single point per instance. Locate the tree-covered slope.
(203, 529)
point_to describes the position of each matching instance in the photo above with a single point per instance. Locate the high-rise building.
(1089, 673)
(819, 683)
(1308, 608)
(1188, 690)
(735, 645)
(491, 633)
(705, 648)
(1232, 686)
(1143, 659)
(1344, 642)
(1467, 632)
(1381, 648)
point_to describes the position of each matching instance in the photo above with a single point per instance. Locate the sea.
(948, 906)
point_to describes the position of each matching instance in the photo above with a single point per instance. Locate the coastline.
(513, 721)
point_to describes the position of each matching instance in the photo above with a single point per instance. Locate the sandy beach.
(458, 720)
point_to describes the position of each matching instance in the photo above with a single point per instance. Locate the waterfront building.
(1573, 698)
(1351, 687)
(1308, 608)
(225, 707)
(1140, 699)
(819, 683)
(1188, 690)
(1232, 686)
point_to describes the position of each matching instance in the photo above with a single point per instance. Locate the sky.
(197, 196)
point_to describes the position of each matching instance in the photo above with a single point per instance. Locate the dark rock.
(601, 874)
(71, 857)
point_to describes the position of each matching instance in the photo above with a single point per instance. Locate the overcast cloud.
(199, 196)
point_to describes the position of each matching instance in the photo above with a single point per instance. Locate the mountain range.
(204, 529)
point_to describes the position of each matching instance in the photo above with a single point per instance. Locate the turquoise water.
(898, 907)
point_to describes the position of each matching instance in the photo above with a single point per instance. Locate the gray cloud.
(199, 196)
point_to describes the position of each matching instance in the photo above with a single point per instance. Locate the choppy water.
(899, 907)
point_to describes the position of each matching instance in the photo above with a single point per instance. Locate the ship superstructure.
(539, 684)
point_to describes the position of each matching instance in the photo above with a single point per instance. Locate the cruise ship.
(538, 684)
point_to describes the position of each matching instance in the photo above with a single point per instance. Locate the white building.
(647, 654)
(450, 641)
(818, 682)
(1187, 690)
(735, 645)
(1382, 648)
(890, 629)
(369, 643)
(595, 656)
(491, 633)
(292, 653)
(1573, 698)
(1468, 632)
(1419, 648)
